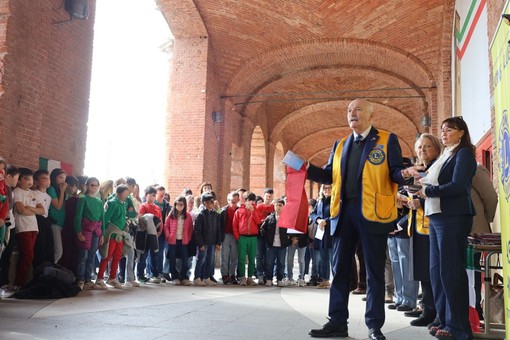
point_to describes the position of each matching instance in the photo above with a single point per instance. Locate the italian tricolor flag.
(50, 164)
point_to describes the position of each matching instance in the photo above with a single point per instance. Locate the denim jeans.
(406, 290)
(326, 255)
(142, 264)
(204, 262)
(316, 260)
(275, 254)
(448, 240)
(156, 258)
(229, 256)
(291, 251)
(86, 260)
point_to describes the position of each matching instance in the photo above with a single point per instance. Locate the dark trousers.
(427, 300)
(43, 248)
(448, 239)
(5, 259)
(348, 232)
(261, 256)
(182, 251)
(358, 275)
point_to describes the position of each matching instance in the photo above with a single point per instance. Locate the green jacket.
(115, 213)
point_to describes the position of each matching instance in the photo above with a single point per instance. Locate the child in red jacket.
(246, 229)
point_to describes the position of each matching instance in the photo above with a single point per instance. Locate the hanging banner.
(500, 58)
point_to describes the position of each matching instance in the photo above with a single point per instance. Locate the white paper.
(292, 160)
(319, 234)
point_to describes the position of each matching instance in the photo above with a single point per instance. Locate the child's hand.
(202, 248)
(218, 247)
(2, 222)
(101, 240)
(80, 236)
(63, 186)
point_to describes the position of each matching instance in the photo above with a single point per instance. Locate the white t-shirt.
(44, 199)
(25, 223)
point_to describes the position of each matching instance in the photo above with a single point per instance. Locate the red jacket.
(171, 230)
(246, 222)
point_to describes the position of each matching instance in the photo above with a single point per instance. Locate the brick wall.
(45, 82)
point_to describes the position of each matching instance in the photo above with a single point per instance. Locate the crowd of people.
(109, 236)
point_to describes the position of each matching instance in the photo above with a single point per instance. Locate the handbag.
(496, 301)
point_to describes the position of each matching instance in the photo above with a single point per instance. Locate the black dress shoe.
(329, 331)
(404, 308)
(422, 321)
(376, 334)
(394, 306)
(414, 313)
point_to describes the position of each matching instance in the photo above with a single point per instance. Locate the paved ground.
(174, 312)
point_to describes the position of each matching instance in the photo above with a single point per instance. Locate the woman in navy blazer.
(450, 210)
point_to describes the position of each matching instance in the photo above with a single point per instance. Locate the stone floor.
(174, 312)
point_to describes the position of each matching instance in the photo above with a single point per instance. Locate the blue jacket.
(454, 187)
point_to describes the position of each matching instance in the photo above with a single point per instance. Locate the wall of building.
(45, 64)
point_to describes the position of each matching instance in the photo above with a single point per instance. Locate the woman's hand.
(414, 204)
(421, 193)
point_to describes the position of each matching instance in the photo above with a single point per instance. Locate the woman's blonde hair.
(106, 189)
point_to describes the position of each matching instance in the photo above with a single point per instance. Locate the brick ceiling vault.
(292, 66)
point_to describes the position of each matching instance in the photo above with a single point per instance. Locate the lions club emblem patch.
(376, 156)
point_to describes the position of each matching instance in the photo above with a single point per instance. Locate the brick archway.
(279, 171)
(257, 162)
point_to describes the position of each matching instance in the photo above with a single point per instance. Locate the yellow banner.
(500, 57)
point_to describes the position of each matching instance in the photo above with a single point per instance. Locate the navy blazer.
(394, 155)
(454, 187)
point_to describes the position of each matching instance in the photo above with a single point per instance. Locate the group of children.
(87, 226)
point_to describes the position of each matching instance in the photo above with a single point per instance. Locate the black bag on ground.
(51, 281)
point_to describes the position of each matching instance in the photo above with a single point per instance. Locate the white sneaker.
(243, 282)
(198, 282)
(210, 282)
(9, 292)
(301, 283)
(100, 284)
(251, 282)
(280, 284)
(131, 284)
(269, 283)
(114, 283)
(260, 280)
(176, 282)
(154, 280)
(89, 285)
(81, 284)
(290, 282)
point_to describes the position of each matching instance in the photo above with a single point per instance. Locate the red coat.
(246, 222)
(171, 230)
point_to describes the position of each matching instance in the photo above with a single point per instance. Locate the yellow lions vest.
(378, 192)
(422, 222)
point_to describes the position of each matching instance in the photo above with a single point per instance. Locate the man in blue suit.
(364, 169)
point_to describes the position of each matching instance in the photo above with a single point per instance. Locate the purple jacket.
(88, 228)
